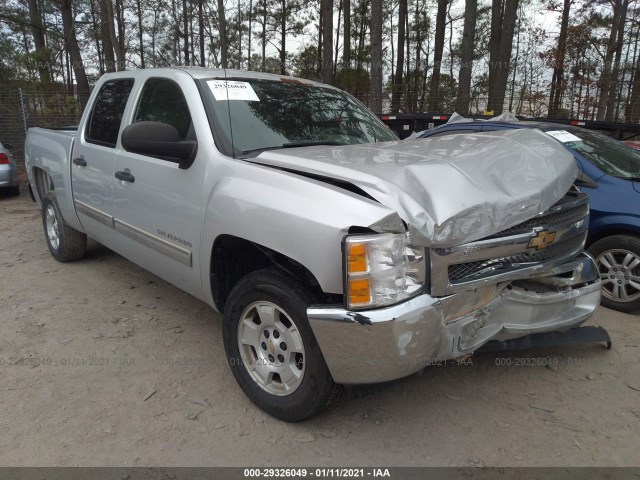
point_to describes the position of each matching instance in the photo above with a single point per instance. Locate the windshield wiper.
(311, 144)
(293, 145)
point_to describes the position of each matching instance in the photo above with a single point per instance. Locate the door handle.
(80, 161)
(125, 176)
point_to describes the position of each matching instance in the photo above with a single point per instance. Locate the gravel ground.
(102, 363)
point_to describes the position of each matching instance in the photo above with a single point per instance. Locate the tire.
(279, 365)
(618, 261)
(65, 243)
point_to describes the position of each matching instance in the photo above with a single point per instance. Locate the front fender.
(601, 226)
(302, 218)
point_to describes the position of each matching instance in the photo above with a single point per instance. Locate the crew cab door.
(158, 207)
(93, 158)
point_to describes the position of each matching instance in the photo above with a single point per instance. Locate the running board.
(550, 339)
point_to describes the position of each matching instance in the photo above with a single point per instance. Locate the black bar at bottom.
(588, 334)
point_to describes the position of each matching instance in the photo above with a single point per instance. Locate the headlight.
(381, 269)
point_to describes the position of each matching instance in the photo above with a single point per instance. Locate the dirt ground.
(102, 363)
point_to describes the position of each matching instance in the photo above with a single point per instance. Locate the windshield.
(283, 113)
(609, 155)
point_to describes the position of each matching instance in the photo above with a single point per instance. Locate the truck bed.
(52, 147)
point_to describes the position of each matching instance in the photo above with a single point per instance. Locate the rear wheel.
(271, 348)
(618, 261)
(65, 243)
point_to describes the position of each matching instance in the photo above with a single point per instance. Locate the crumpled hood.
(452, 189)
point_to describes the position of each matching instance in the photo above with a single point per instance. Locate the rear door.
(158, 210)
(93, 158)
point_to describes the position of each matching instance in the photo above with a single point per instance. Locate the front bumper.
(393, 342)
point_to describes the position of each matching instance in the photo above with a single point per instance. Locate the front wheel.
(618, 261)
(271, 348)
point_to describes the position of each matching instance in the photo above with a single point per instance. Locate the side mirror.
(159, 140)
(583, 180)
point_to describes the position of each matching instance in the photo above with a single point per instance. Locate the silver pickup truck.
(336, 254)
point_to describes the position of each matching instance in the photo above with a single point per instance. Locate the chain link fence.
(21, 109)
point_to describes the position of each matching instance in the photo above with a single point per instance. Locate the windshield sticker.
(232, 90)
(564, 136)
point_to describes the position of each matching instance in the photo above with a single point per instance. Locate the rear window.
(106, 116)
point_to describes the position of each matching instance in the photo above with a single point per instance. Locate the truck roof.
(200, 73)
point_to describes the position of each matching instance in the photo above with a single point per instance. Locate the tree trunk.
(605, 76)
(466, 57)
(634, 74)
(434, 89)
(38, 31)
(337, 42)
(185, 32)
(175, 44)
(632, 110)
(222, 21)
(319, 49)
(96, 35)
(497, 12)
(327, 40)
(346, 49)
(557, 81)
(249, 34)
(72, 47)
(375, 99)
(140, 32)
(503, 24)
(106, 26)
(512, 91)
(283, 38)
(119, 43)
(412, 87)
(264, 34)
(118, 60)
(613, 84)
(203, 62)
(397, 83)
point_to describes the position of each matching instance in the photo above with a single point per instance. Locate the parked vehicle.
(8, 172)
(610, 174)
(334, 260)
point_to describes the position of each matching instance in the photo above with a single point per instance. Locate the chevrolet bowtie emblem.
(542, 240)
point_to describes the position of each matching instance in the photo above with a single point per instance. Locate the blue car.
(610, 174)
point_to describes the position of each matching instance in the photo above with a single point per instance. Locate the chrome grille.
(550, 219)
(506, 254)
(463, 270)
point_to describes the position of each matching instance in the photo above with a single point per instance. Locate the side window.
(106, 116)
(162, 101)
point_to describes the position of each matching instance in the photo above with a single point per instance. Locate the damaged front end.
(528, 278)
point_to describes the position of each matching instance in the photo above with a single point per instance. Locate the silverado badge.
(542, 240)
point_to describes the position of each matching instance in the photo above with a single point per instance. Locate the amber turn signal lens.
(357, 258)
(359, 291)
